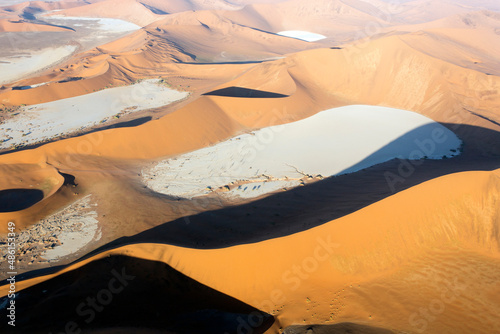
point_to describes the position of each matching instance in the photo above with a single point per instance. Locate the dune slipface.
(249, 166)
(345, 267)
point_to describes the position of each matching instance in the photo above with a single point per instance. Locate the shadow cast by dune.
(121, 291)
(128, 124)
(302, 208)
(154, 9)
(12, 200)
(69, 179)
(244, 93)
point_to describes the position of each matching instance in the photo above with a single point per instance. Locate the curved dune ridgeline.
(185, 167)
(338, 272)
(439, 90)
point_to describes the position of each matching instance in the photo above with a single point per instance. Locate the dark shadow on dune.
(71, 79)
(244, 93)
(121, 291)
(128, 124)
(22, 88)
(154, 9)
(302, 208)
(12, 200)
(342, 328)
(69, 180)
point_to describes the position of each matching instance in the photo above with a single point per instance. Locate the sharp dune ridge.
(344, 259)
(247, 166)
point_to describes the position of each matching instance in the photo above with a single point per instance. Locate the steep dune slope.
(316, 80)
(22, 26)
(185, 38)
(434, 248)
(470, 40)
(344, 254)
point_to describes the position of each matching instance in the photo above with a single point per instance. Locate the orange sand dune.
(39, 177)
(439, 90)
(469, 40)
(442, 91)
(227, 41)
(426, 259)
(430, 253)
(331, 18)
(101, 71)
(151, 52)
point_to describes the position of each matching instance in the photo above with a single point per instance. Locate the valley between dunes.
(250, 167)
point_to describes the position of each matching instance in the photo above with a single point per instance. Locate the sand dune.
(345, 140)
(29, 49)
(436, 90)
(336, 272)
(339, 20)
(468, 37)
(242, 44)
(175, 174)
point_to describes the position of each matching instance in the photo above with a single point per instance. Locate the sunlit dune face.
(250, 166)
(43, 122)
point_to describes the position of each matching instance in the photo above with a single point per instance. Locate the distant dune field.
(250, 166)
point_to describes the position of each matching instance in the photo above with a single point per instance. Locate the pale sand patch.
(81, 228)
(336, 141)
(15, 68)
(302, 35)
(61, 234)
(103, 24)
(42, 122)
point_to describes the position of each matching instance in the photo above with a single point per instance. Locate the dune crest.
(350, 256)
(250, 166)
